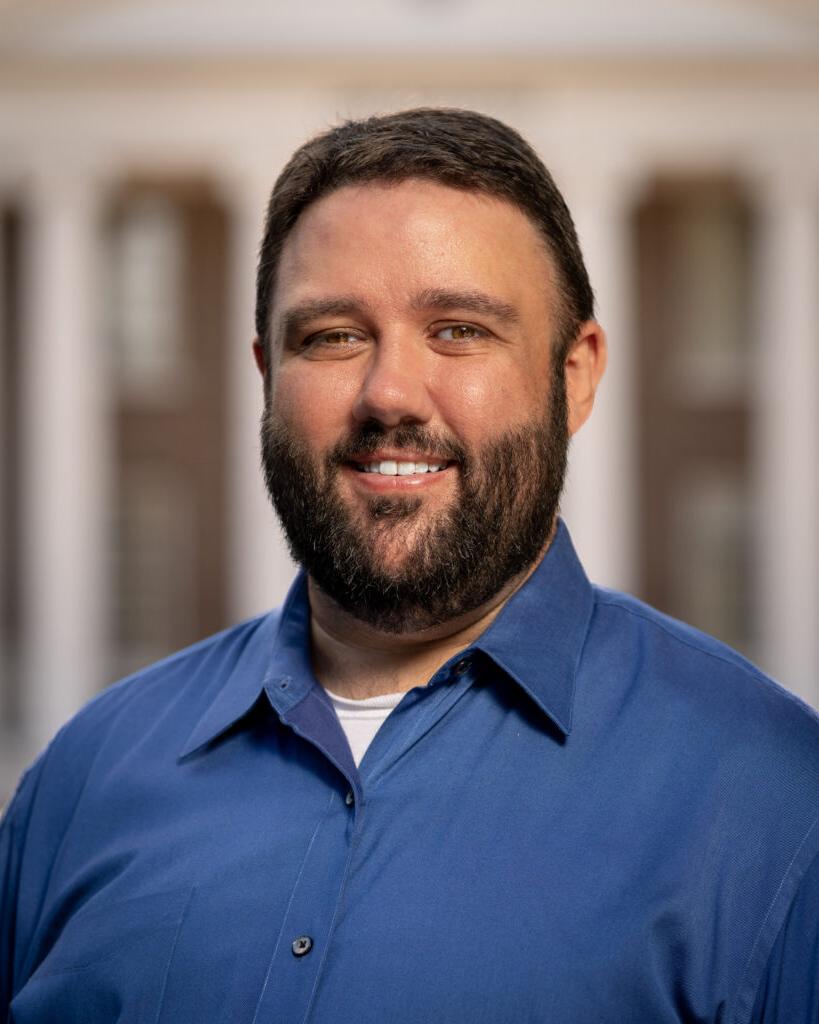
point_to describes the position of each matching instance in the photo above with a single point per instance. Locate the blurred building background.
(138, 143)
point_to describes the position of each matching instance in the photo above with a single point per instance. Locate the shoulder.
(717, 730)
(167, 697)
(695, 672)
(179, 684)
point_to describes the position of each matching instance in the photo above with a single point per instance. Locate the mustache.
(372, 436)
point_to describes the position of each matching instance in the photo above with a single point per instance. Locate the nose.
(395, 388)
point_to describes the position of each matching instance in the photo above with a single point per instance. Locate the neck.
(356, 660)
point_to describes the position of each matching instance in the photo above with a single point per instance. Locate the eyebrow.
(472, 302)
(302, 315)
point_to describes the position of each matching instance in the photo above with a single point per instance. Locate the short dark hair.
(459, 148)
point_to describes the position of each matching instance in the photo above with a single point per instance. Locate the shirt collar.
(538, 637)
(536, 640)
(275, 661)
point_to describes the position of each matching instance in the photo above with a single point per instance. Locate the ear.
(259, 357)
(583, 369)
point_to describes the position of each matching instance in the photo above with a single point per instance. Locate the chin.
(393, 557)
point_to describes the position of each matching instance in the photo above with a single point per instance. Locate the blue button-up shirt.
(593, 814)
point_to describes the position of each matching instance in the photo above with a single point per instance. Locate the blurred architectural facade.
(138, 146)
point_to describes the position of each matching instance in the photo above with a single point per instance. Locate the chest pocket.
(108, 964)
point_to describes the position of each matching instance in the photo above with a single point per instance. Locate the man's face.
(415, 435)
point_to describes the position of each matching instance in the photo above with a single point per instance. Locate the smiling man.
(450, 780)
(416, 427)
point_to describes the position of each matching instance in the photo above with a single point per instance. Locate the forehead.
(401, 238)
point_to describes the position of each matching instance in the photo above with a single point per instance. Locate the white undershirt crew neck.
(361, 719)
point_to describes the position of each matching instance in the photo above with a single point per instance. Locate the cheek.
(287, 396)
(477, 404)
(314, 403)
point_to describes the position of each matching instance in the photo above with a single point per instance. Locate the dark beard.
(494, 530)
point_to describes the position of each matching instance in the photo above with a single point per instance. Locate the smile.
(392, 467)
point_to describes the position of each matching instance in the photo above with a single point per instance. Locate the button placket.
(299, 956)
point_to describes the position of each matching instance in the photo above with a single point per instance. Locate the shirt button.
(302, 945)
(349, 799)
(462, 667)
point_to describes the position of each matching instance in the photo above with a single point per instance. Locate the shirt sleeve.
(12, 837)
(789, 990)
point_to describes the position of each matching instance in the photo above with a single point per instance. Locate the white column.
(601, 493)
(786, 450)
(260, 568)
(64, 438)
(4, 666)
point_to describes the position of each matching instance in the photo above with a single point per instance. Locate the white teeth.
(391, 467)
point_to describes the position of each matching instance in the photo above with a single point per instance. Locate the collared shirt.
(593, 815)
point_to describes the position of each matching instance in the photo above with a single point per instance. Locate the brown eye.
(336, 337)
(460, 332)
(332, 339)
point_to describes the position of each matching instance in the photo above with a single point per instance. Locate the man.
(450, 780)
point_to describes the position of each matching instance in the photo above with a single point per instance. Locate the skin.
(419, 304)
